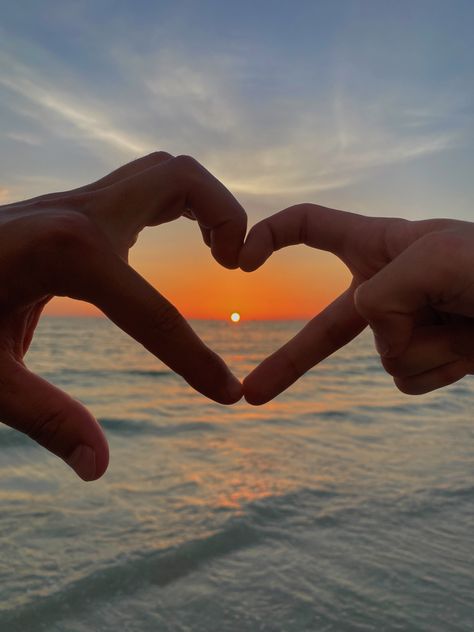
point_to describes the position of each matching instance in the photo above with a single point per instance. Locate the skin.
(412, 283)
(76, 244)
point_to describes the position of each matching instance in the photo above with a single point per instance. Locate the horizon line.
(199, 318)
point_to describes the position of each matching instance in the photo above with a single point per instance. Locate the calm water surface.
(341, 506)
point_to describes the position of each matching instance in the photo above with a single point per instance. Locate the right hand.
(413, 283)
(76, 244)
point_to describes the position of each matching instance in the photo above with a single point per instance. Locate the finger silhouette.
(103, 278)
(419, 277)
(430, 347)
(126, 171)
(123, 172)
(317, 227)
(333, 328)
(314, 226)
(53, 419)
(165, 191)
(436, 378)
(437, 355)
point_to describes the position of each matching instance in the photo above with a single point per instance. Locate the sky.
(365, 106)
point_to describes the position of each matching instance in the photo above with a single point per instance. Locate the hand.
(76, 244)
(413, 283)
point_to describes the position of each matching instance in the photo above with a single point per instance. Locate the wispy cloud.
(88, 123)
(277, 145)
(24, 137)
(259, 142)
(320, 163)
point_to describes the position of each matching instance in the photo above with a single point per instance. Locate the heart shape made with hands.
(76, 244)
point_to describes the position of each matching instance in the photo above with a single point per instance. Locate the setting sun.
(235, 317)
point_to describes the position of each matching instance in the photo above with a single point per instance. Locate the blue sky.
(366, 106)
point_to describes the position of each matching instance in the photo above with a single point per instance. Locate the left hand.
(76, 244)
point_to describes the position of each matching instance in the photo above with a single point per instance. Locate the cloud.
(262, 145)
(24, 137)
(315, 154)
(88, 123)
(260, 141)
(201, 91)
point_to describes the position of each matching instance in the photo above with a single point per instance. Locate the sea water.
(343, 505)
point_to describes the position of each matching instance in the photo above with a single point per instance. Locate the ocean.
(343, 505)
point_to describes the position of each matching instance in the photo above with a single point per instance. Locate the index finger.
(100, 276)
(310, 224)
(327, 332)
(166, 190)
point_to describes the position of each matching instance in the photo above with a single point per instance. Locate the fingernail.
(82, 461)
(234, 389)
(382, 346)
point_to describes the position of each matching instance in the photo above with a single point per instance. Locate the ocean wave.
(144, 372)
(413, 506)
(9, 437)
(432, 500)
(372, 413)
(350, 415)
(131, 427)
(262, 522)
(158, 568)
(106, 373)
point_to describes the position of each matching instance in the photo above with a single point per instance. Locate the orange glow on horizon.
(291, 285)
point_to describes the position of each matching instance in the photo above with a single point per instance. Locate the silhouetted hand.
(413, 283)
(76, 244)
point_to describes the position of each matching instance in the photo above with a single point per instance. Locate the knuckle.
(443, 249)
(266, 230)
(187, 166)
(46, 428)
(165, 318)
(159, 156)
(445, 243)
(62, 245)
(303, 229)
(292, 364)
(443, 252)
(304, 209)
(65, 233)
(364, 300)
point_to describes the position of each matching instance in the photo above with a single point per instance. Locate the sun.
(235, 317)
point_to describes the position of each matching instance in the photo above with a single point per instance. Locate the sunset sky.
(365, 106)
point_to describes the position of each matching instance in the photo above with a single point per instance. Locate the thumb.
(390, 301)
(52, 418)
